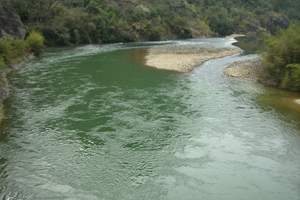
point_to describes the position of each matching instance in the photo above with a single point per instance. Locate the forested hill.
(65, 22)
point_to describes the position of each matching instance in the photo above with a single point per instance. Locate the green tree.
(282, 57)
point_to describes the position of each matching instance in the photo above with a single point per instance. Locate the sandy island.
(184, 58)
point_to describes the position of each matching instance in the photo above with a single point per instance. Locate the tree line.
(68, 22)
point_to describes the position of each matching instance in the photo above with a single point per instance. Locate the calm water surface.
(95, 123)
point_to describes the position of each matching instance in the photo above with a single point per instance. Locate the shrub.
(35, 42)
(12, 50)
(2, 63)
(291, 79)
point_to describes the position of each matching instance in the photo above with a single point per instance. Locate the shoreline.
(253, 70)
(250, 69)
(4, 83)
(184, 58)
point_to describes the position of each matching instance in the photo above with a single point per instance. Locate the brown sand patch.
(183, 59)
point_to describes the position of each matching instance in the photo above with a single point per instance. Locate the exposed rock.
(251, 69)
(10, 23)
(4, 93)
(277, 22)
(248, 69)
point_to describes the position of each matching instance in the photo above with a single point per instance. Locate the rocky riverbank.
(253, 69)
(248, 69)
(4, 92)
(10, 23)
(4, 83)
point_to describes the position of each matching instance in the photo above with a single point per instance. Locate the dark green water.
(95, 123)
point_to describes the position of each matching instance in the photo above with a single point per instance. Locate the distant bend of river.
(95, 123)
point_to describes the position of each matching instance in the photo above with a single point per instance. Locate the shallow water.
(95, 123)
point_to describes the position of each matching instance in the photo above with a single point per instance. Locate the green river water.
(95, 123)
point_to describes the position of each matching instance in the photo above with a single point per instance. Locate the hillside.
(67, 22)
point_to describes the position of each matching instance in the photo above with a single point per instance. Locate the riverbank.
(4, 83)
(253, 70)
(249, 69)
(4, 92)
(184, 58)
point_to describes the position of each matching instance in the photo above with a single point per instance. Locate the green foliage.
(252, 43)
(221, 22)
(2, 63)
(282, 57)
(35, 42)
(68, 22)
(12, 50)
(291, 78)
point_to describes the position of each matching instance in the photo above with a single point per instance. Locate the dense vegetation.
(66, 22)
(13, 50)
(282, 58)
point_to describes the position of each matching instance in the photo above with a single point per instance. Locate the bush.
(35, 42)
(291, 79)
(2, 63)
(12, 50)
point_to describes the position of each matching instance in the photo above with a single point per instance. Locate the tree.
(282, 57)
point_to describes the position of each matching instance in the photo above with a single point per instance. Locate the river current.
(95, 123)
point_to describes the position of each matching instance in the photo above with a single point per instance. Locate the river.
(94, 123)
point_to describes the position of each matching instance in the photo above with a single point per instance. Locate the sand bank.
(184, 59)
